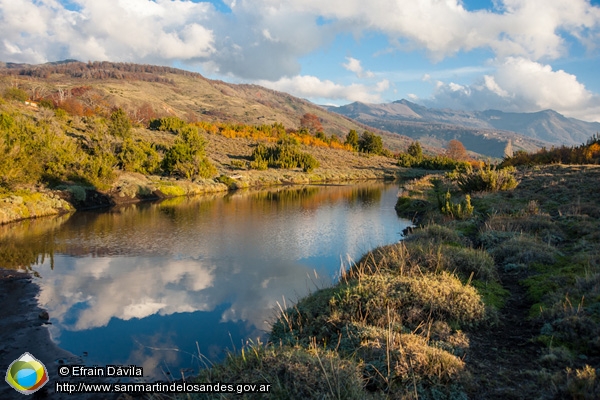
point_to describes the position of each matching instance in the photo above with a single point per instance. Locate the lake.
(171, 286)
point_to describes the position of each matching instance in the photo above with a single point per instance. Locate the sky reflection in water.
(130, 285)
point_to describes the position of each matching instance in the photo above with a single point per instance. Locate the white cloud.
(137, 30)
(528, 28)
(382, 86)
(264, 40)
(311, 87)
(521, 85)
(354, 65)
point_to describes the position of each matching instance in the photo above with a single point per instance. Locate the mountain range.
(485, 132)
(189, 95)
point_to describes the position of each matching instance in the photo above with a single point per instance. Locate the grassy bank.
(494, 295)
(104, 159)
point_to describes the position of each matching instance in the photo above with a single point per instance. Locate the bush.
(186, 157)
(378, 299)
(414, 159)
(282, 156)
(487, 179)
(291, 372)
(523, 250)
(461, 210)
(169, 124)
(119, 125)
(370, 143)
(16, 94)
(138, 157)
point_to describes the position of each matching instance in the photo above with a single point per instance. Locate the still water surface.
(154, 284)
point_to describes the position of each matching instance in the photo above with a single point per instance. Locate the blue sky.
(512, 55)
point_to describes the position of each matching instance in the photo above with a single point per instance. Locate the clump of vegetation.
(400, 312)
(186, 158)
(292, 372)
(432, 163)
(229, 182)
(461, 210)
(284, 156)
(414, 158)
(523, 250)
(487, 179)
(14, 93)
(139, 156)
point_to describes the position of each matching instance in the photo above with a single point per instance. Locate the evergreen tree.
(352, 139)
(416, 151)
(120, 125)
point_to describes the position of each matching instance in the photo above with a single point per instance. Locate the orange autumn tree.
(311, 122)
(456, 151)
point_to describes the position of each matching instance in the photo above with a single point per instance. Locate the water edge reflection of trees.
(150, 228)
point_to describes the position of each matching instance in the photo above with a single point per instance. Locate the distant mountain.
(485, 132)
(545, 125)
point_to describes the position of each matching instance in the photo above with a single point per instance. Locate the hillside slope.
(163, 91)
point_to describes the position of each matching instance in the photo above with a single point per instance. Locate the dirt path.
(502, 355)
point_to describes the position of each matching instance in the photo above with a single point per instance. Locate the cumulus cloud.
(521, 85)
(354, 65)
(514, 28)
(136, 30)
(313, 88)
(265, 39)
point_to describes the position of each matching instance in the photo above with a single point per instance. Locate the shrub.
(408, 160)
(417, 256)
(229, 182)
(487, 179)
(523, 250)
(378, 299)
(119, 125)
(282, 156)
(138, 157)
(583, 383)
(186, 157)
(14, 93)
(292, 372)
(461, 210)
(437, 234)
(169, 124)
(410, 357)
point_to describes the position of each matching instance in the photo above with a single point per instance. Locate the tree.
(456, 151)
(186, 157)
(119, 125)
(352, 139)
(370, 143)
(311, 122)
(416, 151)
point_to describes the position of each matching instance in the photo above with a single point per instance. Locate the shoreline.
(130, 188)
(22, 321)
(22, 329)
